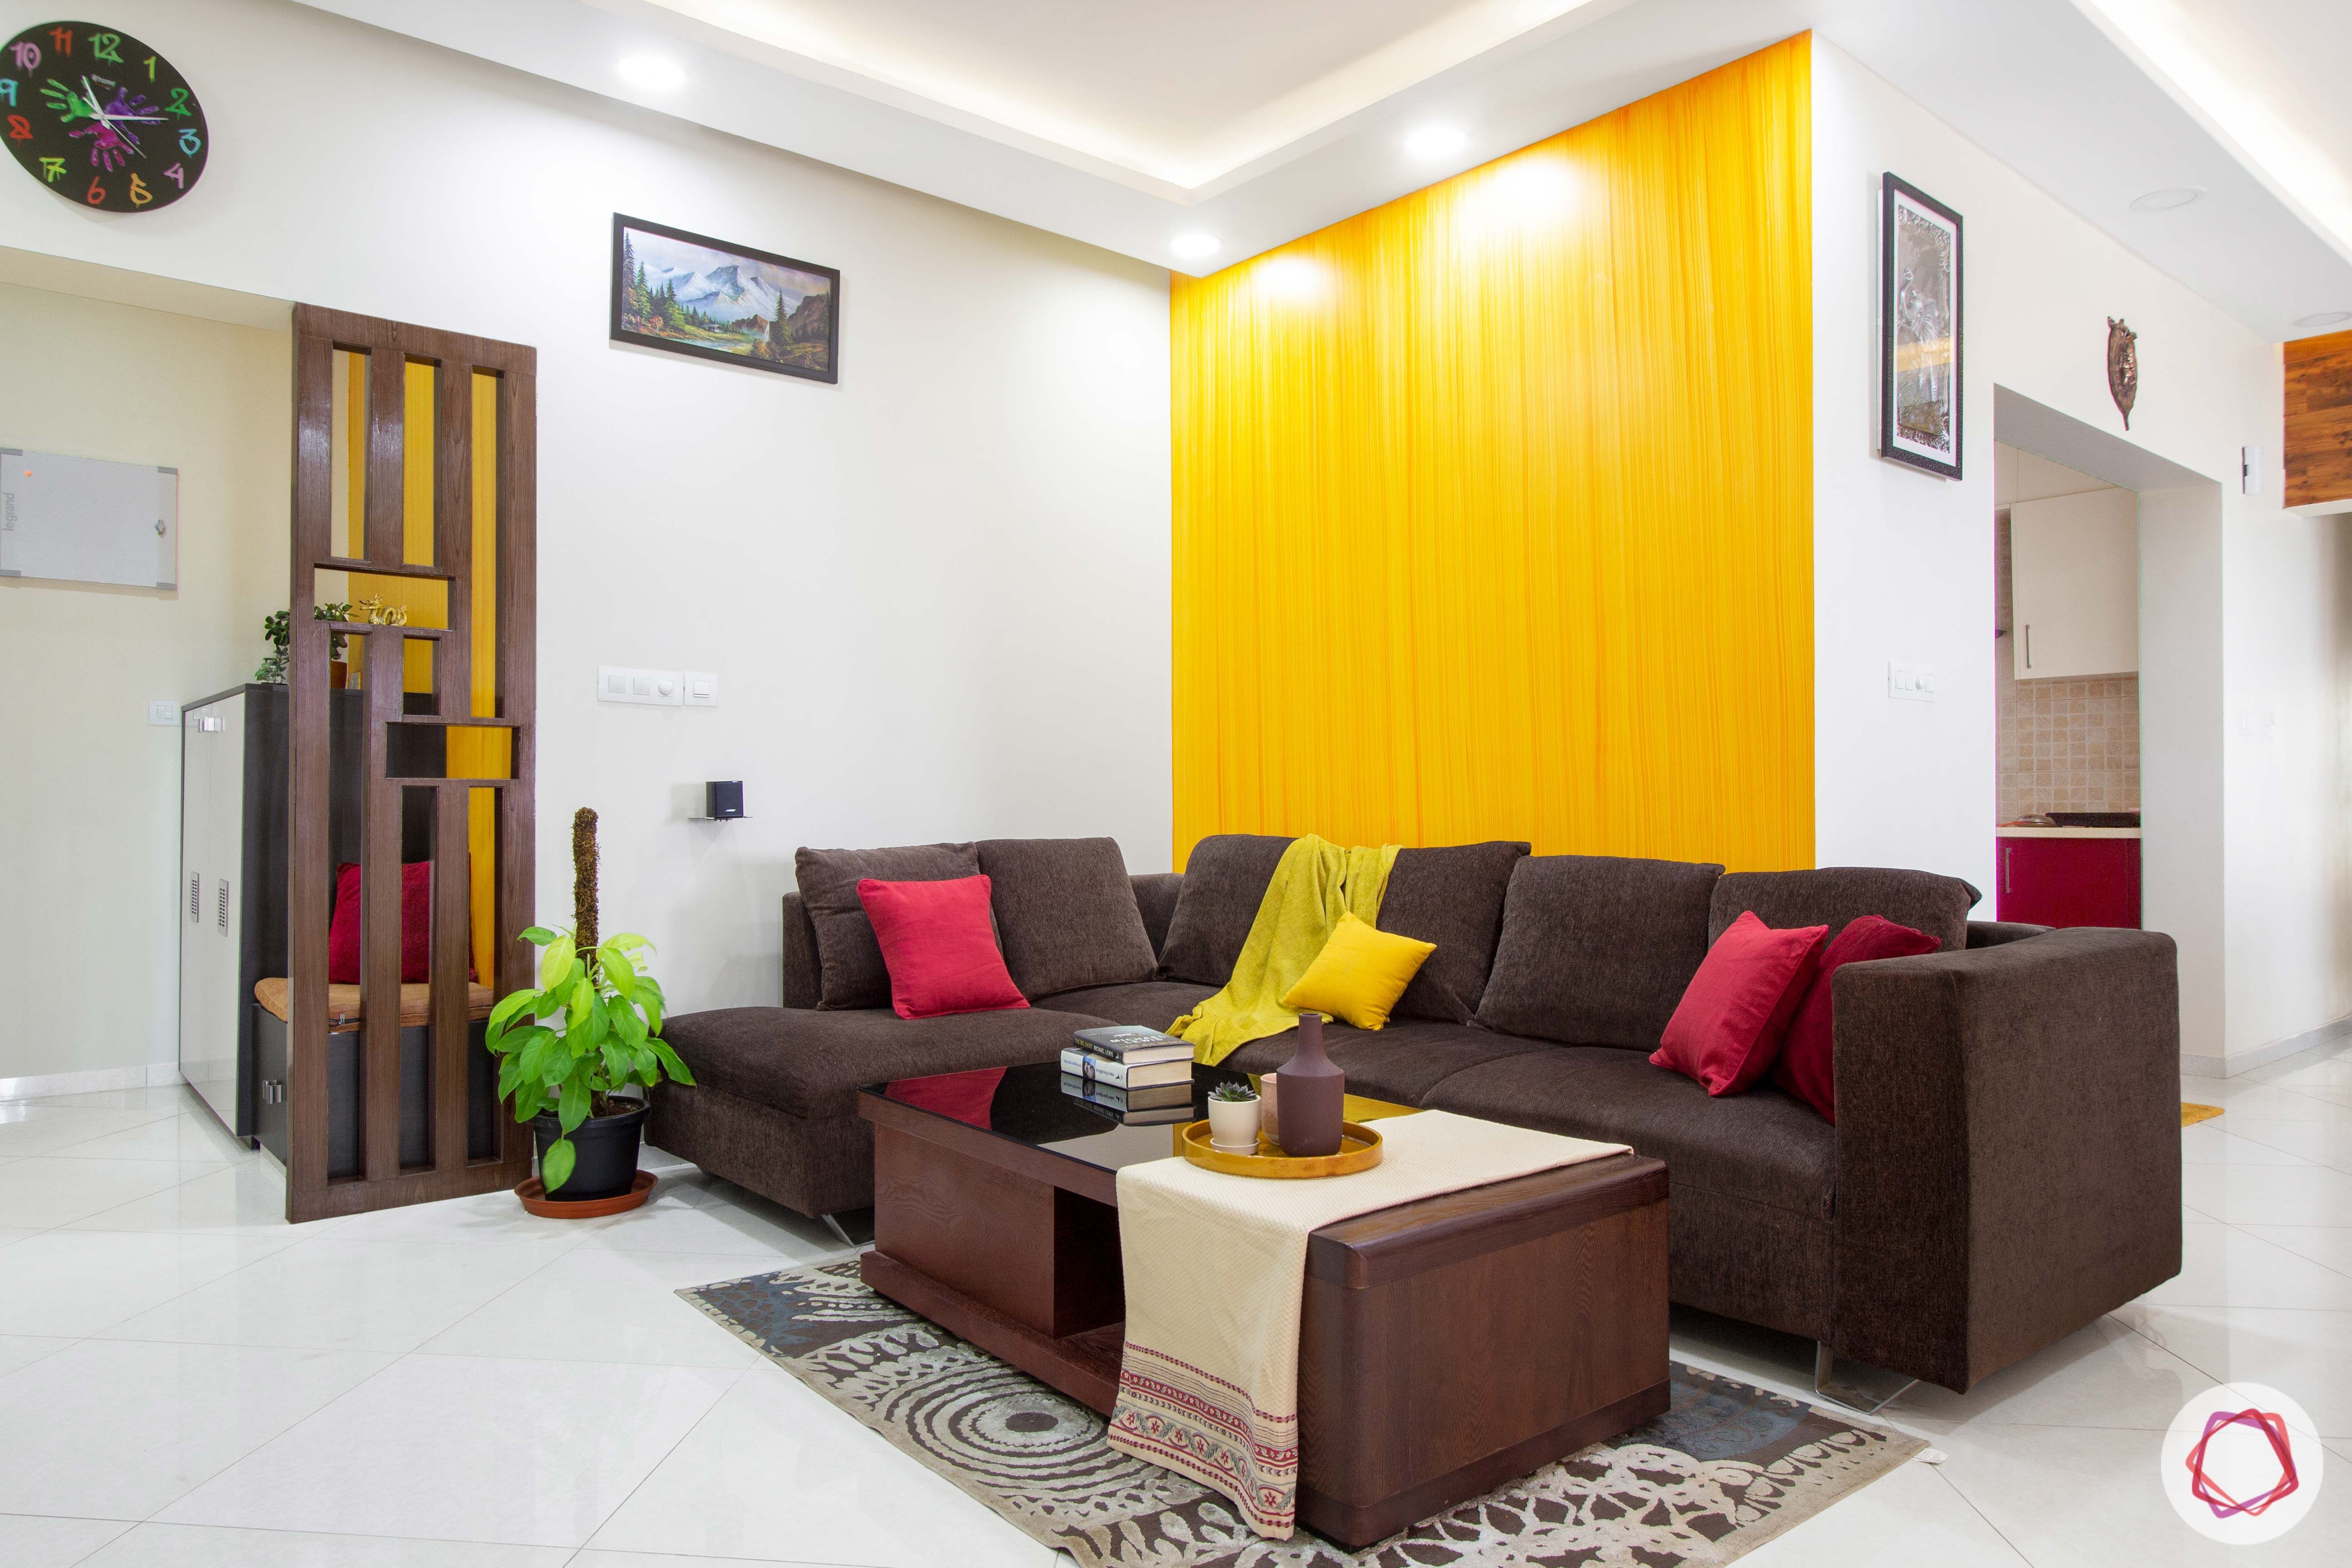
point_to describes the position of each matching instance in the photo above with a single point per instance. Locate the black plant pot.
(604, 1149)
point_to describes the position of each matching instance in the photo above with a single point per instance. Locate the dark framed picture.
(1918, 330)
(694, 295)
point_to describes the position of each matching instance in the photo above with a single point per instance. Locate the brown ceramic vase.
(1310, 1089)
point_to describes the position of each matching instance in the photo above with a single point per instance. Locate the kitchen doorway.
(2066, 694)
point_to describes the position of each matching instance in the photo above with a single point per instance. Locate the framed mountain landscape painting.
(694, 295)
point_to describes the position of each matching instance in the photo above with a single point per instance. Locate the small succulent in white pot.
(1234, 1118)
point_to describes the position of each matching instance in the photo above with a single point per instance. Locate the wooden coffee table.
(1446, 1345)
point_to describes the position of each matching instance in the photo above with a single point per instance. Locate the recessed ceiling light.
(2165, 200)
(2325, 319)
(652, 73)
(1431, 143)
(1192, 246)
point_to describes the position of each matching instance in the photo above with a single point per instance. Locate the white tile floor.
(186, 1380)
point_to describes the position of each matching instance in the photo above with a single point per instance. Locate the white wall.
(89, 800)
(2246, 843)
(936, 596)
(2285, 607)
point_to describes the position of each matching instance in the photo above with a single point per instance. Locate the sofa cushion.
(1761, 1146)
(1155, 900)
(1360, 973)
(1596, 949)
(810, 1064)
(803, 971)
(939, 946)
(1451, 895)
(1225, 882)
(1066, 913)
(1833, 895)
(1399, 1063)
(1807, 1067)
(1150, 1004)
(850, 969)
(1728, 1026)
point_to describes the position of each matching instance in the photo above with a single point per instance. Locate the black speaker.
(724, 799)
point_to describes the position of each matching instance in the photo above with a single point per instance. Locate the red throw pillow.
(416, 925)
(939, 947)
(1806, 1061)
(1728, 1025)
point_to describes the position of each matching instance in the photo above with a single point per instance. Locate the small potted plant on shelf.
(1234, 1118)
(572, 1044)
(277, 627)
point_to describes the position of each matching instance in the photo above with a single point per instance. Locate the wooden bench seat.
(344, 1009)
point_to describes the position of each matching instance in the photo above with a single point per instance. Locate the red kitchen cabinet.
(2069, 880)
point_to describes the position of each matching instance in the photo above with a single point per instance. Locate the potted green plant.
(277, 627)
(1234, 1118)
(571, 1046)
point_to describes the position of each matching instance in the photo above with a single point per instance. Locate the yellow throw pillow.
(1360, 973)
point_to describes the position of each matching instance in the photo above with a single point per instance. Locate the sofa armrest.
(801, 988)
(2008, 1146)
(1992, 933)
(1155, 895)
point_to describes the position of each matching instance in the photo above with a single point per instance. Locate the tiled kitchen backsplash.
(2065, 746)
(2070, 745)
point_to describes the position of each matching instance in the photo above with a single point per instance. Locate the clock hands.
(108, 122)
(123, 112)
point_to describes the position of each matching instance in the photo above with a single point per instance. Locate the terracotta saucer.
(535, 1199)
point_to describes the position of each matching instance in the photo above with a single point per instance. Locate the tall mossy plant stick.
(590, 1027)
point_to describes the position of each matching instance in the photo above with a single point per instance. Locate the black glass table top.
(1035, 1104)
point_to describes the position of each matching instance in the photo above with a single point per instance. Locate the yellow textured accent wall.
(1493, 505)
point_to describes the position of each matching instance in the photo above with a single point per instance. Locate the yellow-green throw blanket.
(1314, 884)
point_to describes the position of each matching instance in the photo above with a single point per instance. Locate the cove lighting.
(651, 73)
(2166, 200)
(2325, 319)
(1431, 143)
(1192, 246)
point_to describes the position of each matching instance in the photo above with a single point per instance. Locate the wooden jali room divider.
(414, 485)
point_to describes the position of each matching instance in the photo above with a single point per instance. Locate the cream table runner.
(1216, 1265)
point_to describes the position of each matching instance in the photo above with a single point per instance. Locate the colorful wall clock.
(100, 118)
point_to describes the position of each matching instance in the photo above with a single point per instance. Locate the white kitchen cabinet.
(2075, 585)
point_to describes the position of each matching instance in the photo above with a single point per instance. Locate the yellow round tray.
(1359, 1149)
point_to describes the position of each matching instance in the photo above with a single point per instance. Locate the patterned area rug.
(1727, 1467)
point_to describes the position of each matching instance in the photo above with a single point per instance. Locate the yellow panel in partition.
(425, 599)
(471, 754)
(484, 754)
(1492, 506)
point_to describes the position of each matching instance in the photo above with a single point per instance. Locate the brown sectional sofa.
(2005, 1167)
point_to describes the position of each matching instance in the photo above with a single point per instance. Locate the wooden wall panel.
(2319, 419)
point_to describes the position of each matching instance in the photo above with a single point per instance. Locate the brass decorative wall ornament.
(2123, 366)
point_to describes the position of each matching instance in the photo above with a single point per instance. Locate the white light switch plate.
(1911, 682)
(656, 688)
(164, 711)
(701, 688)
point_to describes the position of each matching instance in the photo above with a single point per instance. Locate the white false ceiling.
(2265, 77)
(1130, 123)
(1228, 81)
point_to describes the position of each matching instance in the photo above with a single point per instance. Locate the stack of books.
(1140, 1075)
